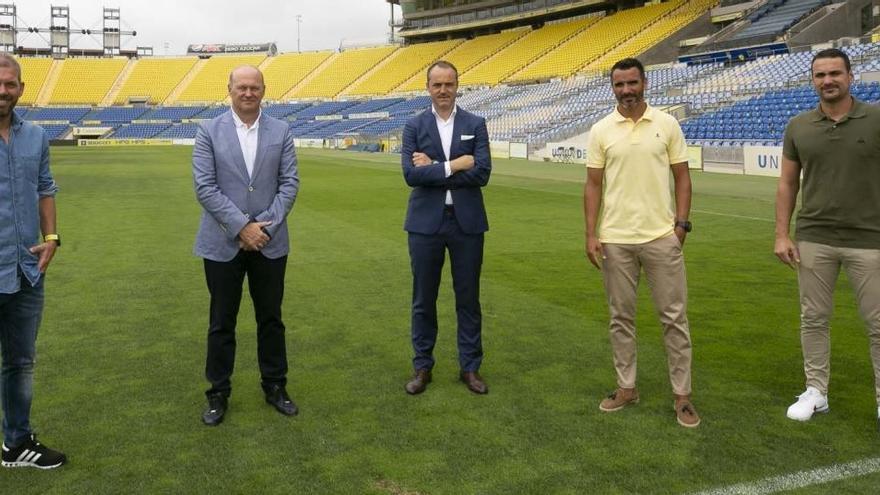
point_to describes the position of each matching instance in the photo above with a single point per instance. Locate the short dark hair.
(7, 60)
(629, 63)
(443, 65)
(831, 53)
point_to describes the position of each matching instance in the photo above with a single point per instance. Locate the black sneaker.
(32, 454)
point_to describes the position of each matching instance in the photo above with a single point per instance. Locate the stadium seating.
(776, 16)
(288, 69)
(210, 84)
(522, 52)
(155, 78)
(668, 22)
(179, 131)
(85, 81)
(173, 114)
(343, 70)
(466, 55)
(117, 114)
(34, 71)
(139, 131)
(401, 65)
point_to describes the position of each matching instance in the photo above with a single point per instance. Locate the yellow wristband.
(52, 237)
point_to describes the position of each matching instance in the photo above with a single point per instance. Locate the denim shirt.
(24, 179)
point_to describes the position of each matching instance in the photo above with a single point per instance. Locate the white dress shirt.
(247, 140)
(444, 127)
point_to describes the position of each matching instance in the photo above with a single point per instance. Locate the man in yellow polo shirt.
(643, 224)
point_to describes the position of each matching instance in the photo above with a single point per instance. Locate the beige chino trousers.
(663, 262)
(817, 275)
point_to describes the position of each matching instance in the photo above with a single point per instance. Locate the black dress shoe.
(277, 397)
(213, 415)
(418, 383)
(474, 382)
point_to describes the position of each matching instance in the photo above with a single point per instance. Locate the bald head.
(244, 71)
(246, 91)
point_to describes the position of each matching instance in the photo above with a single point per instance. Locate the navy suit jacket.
(429, 183)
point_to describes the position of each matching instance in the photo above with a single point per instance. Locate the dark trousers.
(427, 255)
(266, 283)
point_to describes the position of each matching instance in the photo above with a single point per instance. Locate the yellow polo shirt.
(637, 198)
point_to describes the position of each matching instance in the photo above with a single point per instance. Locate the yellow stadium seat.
(86, 80)
(209, 85)
(154, 78)
(342, 71)
(288, 69)
(33, 75)
(402, 65)
(467, 55)
(522, 52)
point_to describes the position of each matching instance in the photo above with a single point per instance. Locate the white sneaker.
(809, 402)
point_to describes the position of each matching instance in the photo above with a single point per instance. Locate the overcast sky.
(170, 25)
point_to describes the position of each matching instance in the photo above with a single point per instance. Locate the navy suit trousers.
(427, 255)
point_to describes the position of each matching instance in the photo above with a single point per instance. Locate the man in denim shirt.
(27, 208)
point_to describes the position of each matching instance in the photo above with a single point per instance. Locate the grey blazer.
(230, 199)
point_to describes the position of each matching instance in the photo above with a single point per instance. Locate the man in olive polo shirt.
(634, 151)
(836, 147)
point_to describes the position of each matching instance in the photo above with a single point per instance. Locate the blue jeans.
(20, 315)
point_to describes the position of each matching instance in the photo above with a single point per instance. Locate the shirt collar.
(648, 115)
(239, 123)
(857, 111)
(437, 115)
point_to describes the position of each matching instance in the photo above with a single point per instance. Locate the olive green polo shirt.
(840, 199)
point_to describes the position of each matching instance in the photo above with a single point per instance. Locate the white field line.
(732, 215)
(776, 484)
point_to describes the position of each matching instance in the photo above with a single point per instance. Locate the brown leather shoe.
(474, 382)
(685, 413)
(619, 399)
(418, 383)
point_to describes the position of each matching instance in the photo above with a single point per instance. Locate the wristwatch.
(684, 224)
(53, 237)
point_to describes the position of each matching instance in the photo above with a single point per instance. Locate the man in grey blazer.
(245, 175)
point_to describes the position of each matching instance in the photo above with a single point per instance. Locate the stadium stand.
(522, 52)
(85, 81)
(154, 78)
(775, 16)
(173, 114)
(139, 131)
(117, 114)
(401, 65)
(34, 71)
(467, 55)
(344, 69)
(288, 69)
(646, 36)
(209, 84)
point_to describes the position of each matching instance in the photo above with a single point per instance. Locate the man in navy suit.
(445, 159)
(245, 175)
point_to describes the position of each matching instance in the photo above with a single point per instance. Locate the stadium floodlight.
(299, 20)
(8, 28)
(59, 30)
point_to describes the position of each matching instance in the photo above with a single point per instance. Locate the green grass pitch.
(119, 381)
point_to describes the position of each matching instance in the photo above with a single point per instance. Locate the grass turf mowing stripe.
(802, 479)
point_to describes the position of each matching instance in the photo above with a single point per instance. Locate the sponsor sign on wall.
(125, 142)
(762, 160)
(567, 152)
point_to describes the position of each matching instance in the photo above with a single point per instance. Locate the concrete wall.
(846, 21)
(668, 50)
